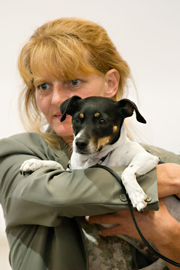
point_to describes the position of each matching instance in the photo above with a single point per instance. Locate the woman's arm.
(48, 194)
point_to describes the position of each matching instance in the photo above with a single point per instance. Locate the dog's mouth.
(91, 147)
(86, 152)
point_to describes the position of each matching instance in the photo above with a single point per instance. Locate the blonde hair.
(64, 47)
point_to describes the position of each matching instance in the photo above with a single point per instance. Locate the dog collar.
(69, 166)
(102, 159)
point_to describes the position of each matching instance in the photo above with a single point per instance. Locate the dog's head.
(97, 121)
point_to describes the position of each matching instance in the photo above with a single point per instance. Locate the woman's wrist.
(168, 176)
(169, 231)
(167, 242)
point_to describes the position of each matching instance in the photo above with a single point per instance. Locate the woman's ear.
(112, 79)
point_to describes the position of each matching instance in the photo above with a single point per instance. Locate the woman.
(63, 58)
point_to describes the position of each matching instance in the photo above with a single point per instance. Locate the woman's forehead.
(61, 60)
(44, 68)
(42, 71)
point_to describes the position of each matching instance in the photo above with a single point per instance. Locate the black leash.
(116, 176)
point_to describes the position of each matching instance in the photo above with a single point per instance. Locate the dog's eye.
(102, 122)
(76, 120)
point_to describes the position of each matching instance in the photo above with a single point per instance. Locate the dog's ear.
(69, 106)
(127, 107)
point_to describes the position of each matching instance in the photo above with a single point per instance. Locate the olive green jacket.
(41, 209)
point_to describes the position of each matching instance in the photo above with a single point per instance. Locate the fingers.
(107, 218)
(118, 229)
(114, 230)
(122, 222)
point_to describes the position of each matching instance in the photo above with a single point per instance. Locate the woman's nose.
(59, 94)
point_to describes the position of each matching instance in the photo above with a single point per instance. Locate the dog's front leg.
(141, 164)
(133, 189)
(32, 165)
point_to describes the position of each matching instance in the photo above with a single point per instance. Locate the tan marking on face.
(81, 115)
(97, 114)
(103, 141)
(114, 128)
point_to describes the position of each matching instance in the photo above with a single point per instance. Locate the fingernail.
(87, 218)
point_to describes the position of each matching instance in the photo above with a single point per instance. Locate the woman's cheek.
(42, 104)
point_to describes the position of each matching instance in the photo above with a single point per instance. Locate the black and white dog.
(100, 137)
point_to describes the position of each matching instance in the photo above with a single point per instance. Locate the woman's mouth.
(59, 116)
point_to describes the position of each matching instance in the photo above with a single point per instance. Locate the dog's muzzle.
(81, 144)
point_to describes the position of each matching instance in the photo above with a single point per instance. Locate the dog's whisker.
(69, 145)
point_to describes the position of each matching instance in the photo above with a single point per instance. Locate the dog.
(100, 138)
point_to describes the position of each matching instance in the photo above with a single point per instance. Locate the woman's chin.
(64, 131)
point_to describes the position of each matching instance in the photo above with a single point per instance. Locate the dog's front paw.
(138, 198)
(32, 165)
(141, 203)
(136, 194)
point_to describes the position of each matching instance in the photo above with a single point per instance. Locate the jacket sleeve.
(46, 195)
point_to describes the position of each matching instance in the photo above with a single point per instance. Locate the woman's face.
(51, 92)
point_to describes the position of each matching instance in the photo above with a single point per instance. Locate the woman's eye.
(43, 86)
(75, 82)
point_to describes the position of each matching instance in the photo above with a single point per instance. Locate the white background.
(147, 34)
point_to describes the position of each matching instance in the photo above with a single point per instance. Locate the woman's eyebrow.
(38, 80)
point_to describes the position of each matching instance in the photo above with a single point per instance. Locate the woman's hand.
(151, 223)
(158, 227)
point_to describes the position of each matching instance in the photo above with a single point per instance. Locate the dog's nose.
(81, 144)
